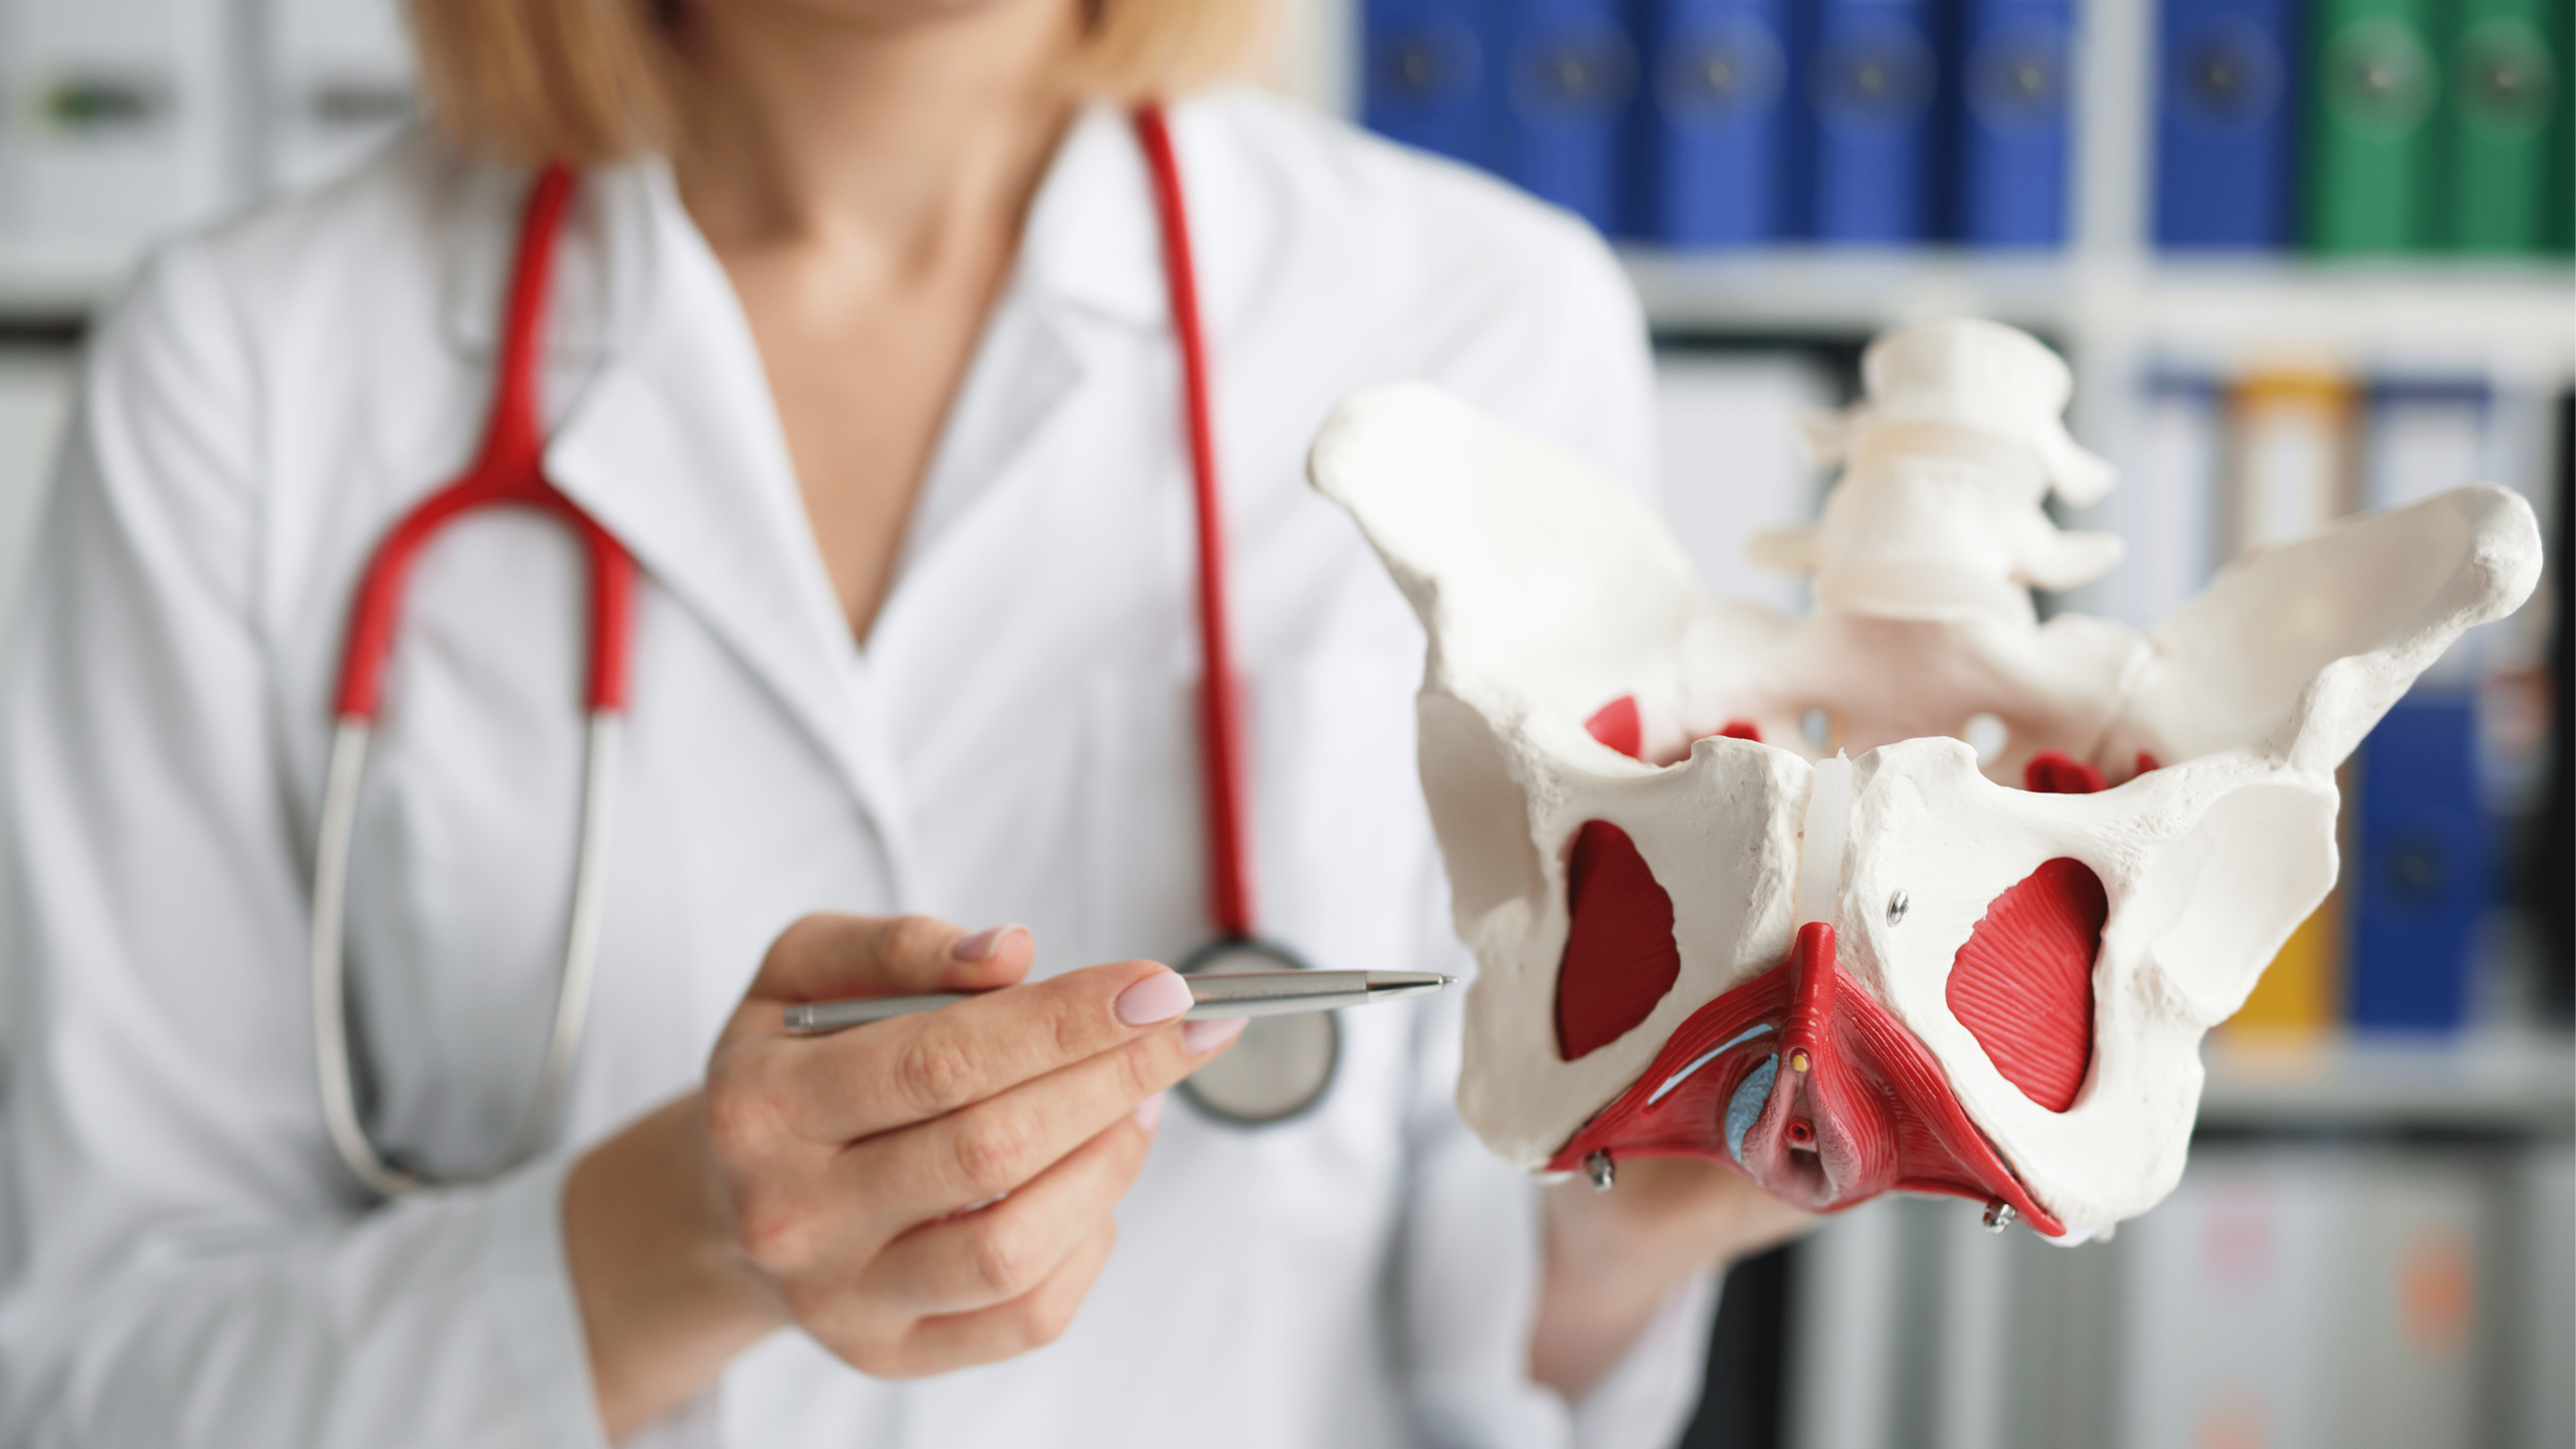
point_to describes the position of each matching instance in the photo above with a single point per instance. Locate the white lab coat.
(1015, 742)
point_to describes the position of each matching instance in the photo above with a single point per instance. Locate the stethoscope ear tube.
(510, 469)
(330, 999)
(1284, 1065)
(383, 1175)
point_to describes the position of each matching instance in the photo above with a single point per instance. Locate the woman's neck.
(890, 144)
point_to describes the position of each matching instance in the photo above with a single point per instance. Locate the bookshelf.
(2111, 301)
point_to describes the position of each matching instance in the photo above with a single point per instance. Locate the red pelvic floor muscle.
(1618, 725)
(1872, 1075)
(1622, 726)
(2054, 772)
(1619, 957)
(2023, 984)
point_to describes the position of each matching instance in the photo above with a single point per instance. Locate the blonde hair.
(587, 81)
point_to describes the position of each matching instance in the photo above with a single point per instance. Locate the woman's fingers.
(1032, 1320)
(1004, 1142)
(908, 1069)
(846, 1159)
(826, 956)
(996, 1253)
(803, 1202)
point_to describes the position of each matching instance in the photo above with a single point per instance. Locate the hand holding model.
(921, 1194)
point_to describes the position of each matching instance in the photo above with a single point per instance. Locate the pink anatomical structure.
(1739, 886)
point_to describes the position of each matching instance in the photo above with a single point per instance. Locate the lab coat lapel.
(1088, 282)
(1086, 274)
(675, 447)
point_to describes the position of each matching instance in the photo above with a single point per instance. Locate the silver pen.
(1239, 993)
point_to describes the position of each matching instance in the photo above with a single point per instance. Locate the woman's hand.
(919, 1194)
(1613, 1256)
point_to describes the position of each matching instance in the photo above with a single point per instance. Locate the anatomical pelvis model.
(1740, 887)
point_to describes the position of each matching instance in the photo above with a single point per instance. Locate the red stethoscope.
(1282, 1067)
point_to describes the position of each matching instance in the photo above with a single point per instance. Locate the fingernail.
(983, 945)
(1149, 1112)
(976, 1206)
(1207, 1036)
(1158, 997)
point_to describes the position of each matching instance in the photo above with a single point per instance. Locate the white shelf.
(1855, 292)
(2519, 1083)
(60, 281)
(2521, 313)
(2519, 317)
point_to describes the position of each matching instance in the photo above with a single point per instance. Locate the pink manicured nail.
(974, 1207)
(1158, 997)
(983, 945)
(1207, 1036)
(1149, 1112)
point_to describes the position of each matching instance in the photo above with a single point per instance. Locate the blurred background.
(2306, 256)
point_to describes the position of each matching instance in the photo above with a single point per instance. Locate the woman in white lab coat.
(859, 333)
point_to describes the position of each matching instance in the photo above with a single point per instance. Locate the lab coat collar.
(1089, 275)
(1092, 239)
(672, 443)
(604, 265)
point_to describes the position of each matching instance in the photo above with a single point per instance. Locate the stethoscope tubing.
(340, 1112)
(1230, 896)
(1220, 705)
(508, 471)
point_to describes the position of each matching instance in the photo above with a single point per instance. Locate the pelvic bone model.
(1739, 888)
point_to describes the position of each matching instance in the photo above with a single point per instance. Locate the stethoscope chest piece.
(1283, 1065)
